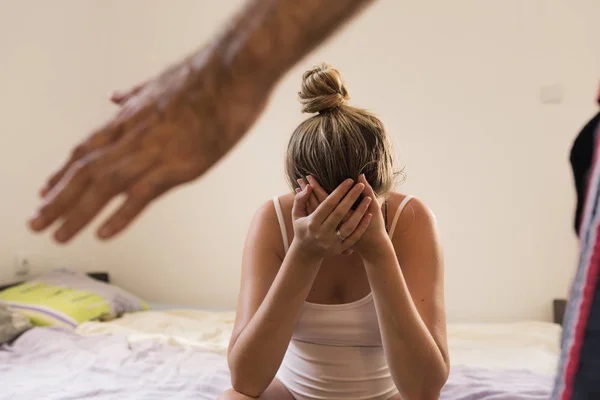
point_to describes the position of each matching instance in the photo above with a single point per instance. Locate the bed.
(180, 353)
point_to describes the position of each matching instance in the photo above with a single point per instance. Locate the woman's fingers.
(332, 201)
(350, 225)
(300, 203)
(320, 193)
(344, 206)
(358, 232)
(313, 203)
(368, 192)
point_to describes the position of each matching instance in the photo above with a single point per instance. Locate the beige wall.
(457, 84)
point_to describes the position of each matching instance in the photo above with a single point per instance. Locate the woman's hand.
(374, 235)
(326, 231)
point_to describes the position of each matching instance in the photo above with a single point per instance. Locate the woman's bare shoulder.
(265, 230)
(287, 202)
(414, 214)
(267, 213)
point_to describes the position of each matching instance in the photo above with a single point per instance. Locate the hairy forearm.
(267, 37)
(221, 89)
(416, 362)
(257, 353)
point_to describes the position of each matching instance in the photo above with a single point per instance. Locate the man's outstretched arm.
(173, 128)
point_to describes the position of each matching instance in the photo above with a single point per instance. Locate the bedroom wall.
(457, 84)
(53, 76)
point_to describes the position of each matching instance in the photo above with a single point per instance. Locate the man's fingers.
(87, 207)
(155, 183)
(63, 195)
(110, 134)
(78, 153)
(320, 193)
(56, 177)
(358, 232)
(344, 206)
(120, 97)
(300, 203)
(332, 201)
(91, 169)
(105, 136)
(96, 196)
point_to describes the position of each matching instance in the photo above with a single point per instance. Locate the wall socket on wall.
(22, 266)
(552, 94)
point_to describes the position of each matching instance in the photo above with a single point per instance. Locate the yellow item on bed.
(55, 305)
(69, 298)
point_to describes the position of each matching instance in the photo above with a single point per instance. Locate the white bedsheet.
(57, 364)
(533, 346)
(187, 328)
(154, 355)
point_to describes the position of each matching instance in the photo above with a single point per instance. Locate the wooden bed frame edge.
(558, 310)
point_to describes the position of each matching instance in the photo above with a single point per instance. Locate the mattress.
(186, 328)
(57, 364)
(180, 354)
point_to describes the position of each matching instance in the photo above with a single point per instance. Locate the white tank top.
(336, 350)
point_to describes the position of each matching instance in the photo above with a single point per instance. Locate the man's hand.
(169, 131)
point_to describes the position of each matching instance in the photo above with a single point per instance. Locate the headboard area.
(558, 310)
(99, 276)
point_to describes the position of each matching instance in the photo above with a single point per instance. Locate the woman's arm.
(271, 295)
(406, 278)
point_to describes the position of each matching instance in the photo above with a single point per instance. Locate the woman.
(340, 300)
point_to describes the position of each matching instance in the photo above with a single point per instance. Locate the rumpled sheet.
(201, 330)
(472, 383)
(179, 354)
(58, 364)
(531, 346)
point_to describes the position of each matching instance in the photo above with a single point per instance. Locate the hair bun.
(322, 89)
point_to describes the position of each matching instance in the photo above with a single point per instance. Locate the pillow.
(12, 323)
(67, 298)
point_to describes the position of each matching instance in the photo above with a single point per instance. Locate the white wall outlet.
(22, 266)
(552, 94)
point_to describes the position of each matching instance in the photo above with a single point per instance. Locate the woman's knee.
(233, 395)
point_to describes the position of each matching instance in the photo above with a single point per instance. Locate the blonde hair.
(339, 141)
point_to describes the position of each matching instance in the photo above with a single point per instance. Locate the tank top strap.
(401, 207)
(284, 236)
